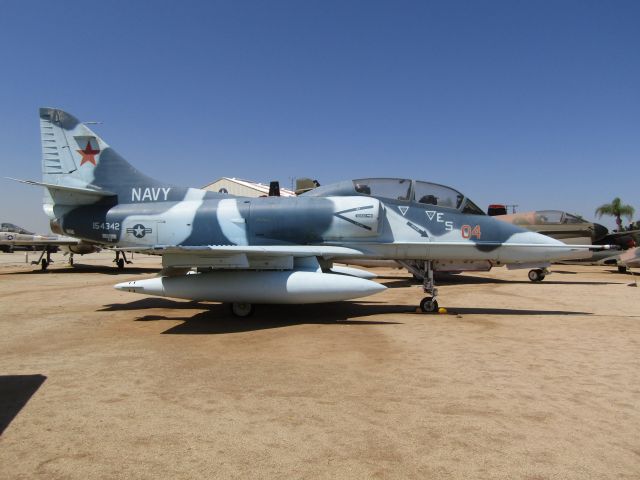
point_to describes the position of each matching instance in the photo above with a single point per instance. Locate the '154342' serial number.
(106, 226)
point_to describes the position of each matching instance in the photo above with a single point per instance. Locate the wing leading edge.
(277, 257)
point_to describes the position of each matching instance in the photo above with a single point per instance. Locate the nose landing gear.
(537, 274)
(428, 304)
(423, 270)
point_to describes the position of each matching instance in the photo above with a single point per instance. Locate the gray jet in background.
(246, 251)
(12, 236)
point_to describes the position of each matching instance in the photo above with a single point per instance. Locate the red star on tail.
(88, 154)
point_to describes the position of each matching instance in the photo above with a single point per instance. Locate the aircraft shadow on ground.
(217, 318)
(15, 392)
(629, 273)
(80, 268)
(510, 311)
(444, 279)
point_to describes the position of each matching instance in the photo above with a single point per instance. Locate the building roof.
(261, 187)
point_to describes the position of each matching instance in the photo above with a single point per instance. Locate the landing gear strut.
(423, 271)
(44, 262)
(120, 262)
(429, 304)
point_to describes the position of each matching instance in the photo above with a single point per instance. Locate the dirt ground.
(518, 380)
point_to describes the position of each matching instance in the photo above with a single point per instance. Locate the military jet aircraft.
(623, 260)
(564, 226)
(571, 229)
(629, 259)
(12, 236)
(246, 251)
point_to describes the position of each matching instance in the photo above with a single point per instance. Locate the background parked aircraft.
(571, 229)
(12, 236)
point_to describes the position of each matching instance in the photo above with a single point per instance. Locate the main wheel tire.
(44, 264)
(536, 275)
(622, 269)
(429, 305)
(242, 310)
(120, 264)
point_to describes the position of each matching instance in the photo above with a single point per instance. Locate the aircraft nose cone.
(529, 237)
(557, 250)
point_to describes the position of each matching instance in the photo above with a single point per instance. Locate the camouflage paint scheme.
(561, 225)
(573, 229)
(94, 194)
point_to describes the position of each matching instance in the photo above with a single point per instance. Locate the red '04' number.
(468, 231)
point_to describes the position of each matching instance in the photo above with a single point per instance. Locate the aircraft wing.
(241, 256)
(8, 238)
(281, 257)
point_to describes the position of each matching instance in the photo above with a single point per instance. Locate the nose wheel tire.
(120, 263)
(429, 305)
(44, 264)
(242, 310)
(536, 275)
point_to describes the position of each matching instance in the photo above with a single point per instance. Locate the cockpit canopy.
(10, 227)
(556, 216)
(403, 190)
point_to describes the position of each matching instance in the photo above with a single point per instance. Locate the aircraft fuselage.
(381, 228)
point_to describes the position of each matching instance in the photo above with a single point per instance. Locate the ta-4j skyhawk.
(246, 251)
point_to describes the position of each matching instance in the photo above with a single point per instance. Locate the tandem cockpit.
(401, 190)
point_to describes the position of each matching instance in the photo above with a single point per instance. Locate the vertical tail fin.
(79, 167)
(56, 158)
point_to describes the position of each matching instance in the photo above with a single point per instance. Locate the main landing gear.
(241, 309)
(537, 274)
(120, 262)
(44, 261)
(428, 304)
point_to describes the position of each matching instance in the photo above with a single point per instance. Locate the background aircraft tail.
(80, 168)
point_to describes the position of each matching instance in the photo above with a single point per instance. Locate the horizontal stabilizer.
(63, 188)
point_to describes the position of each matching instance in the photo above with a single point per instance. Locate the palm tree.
(616, 209)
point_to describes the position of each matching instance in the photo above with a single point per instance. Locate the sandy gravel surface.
(519, 380)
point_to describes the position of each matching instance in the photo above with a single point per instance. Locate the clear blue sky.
(535, 103)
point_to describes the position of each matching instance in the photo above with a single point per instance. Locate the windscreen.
(393, 188)
(472, 209)
(434, 194)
